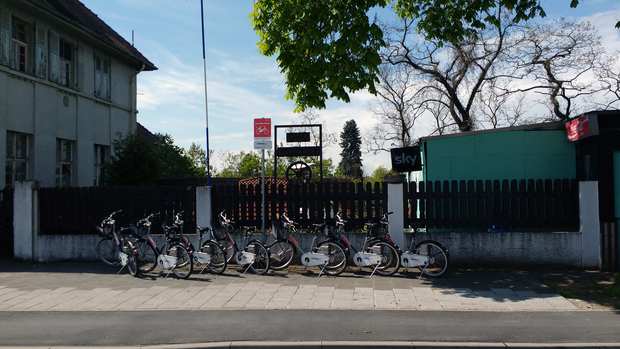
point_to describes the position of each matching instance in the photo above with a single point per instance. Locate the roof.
(555, 125)
(74, 12)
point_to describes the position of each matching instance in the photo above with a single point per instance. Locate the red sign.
(583, 127)
(262, 128)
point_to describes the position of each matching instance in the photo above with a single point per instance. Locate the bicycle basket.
(217, 230)
(374, 227)
(138, 230)
(169, 228)
(279, 231)
(104, 230)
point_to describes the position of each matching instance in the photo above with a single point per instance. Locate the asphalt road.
(139, 328)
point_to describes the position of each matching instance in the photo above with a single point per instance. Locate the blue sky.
(242, 84)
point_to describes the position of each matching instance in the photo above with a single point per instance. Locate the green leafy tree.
(133, 162)
(351, 142)
(137, 161)
(378, 175)
(332, 46)
(174, 162)
(198, 158)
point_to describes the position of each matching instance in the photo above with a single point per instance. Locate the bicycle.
(430, 256)
(220, 232)
(115, 251)
(150, 255)
(329, 254)
(183, 265)
(284, 248)
(255, 253)
(378, 250)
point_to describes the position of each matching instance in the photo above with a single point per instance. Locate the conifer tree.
(350, 142)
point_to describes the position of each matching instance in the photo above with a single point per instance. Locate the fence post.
(590, 225)
(395, 204)
(203, 206)
(25, 222)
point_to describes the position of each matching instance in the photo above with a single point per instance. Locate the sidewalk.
(91, 286)
(85, 304)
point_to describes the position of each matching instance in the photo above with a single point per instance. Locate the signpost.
(262, 140)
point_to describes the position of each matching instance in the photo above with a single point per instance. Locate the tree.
(174, 164)
(351, 142)
(397, 109)
(332, 46)
(378, 175)
(198, 158)
(560, 57)
(450, 75)
(134, 162)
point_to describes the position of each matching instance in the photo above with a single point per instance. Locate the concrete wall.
(510, 249)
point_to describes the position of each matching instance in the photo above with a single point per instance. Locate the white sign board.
(262, 144)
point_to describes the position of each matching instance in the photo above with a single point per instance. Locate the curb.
(345, 344)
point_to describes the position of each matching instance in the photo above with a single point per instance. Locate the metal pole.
(264, 208)
(204, 63)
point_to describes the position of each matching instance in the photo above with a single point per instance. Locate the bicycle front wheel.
(108, 252)
(337, 258)
(281, 255)
(261, 259)
(132, 258)
(184, 264)
(229, 250)
(217, 265)
(438, 263)
(147, 256)
(390, 260)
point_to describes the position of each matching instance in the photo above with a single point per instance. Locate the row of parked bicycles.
(133, 248)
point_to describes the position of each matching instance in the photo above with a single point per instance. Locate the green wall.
(506, 154)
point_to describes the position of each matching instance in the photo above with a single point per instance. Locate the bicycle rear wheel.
(438, 263)
(184, 264)
(390, 260)
(108, 252)
(281, 255)
(147, 256)
(261, 259)
(337, 258)
(217, 265)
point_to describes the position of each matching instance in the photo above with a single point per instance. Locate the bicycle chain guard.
(201, 258)
(366, 259)
(412, 260)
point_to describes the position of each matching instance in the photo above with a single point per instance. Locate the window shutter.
(105, 86)
(5, 36)
(41, 56)
(54, 59)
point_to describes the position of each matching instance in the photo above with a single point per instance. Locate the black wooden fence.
(305, 204)
(523, 205)
(6, 223)
(78, 210)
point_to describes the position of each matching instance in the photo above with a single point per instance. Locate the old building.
(67, 87)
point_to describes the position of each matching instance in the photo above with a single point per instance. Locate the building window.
(102, 153)
(19, 45)
(102, 77)
(17, 155)
(64, 163)
(66, 63)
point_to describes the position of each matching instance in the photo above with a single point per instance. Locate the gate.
(6, 223)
